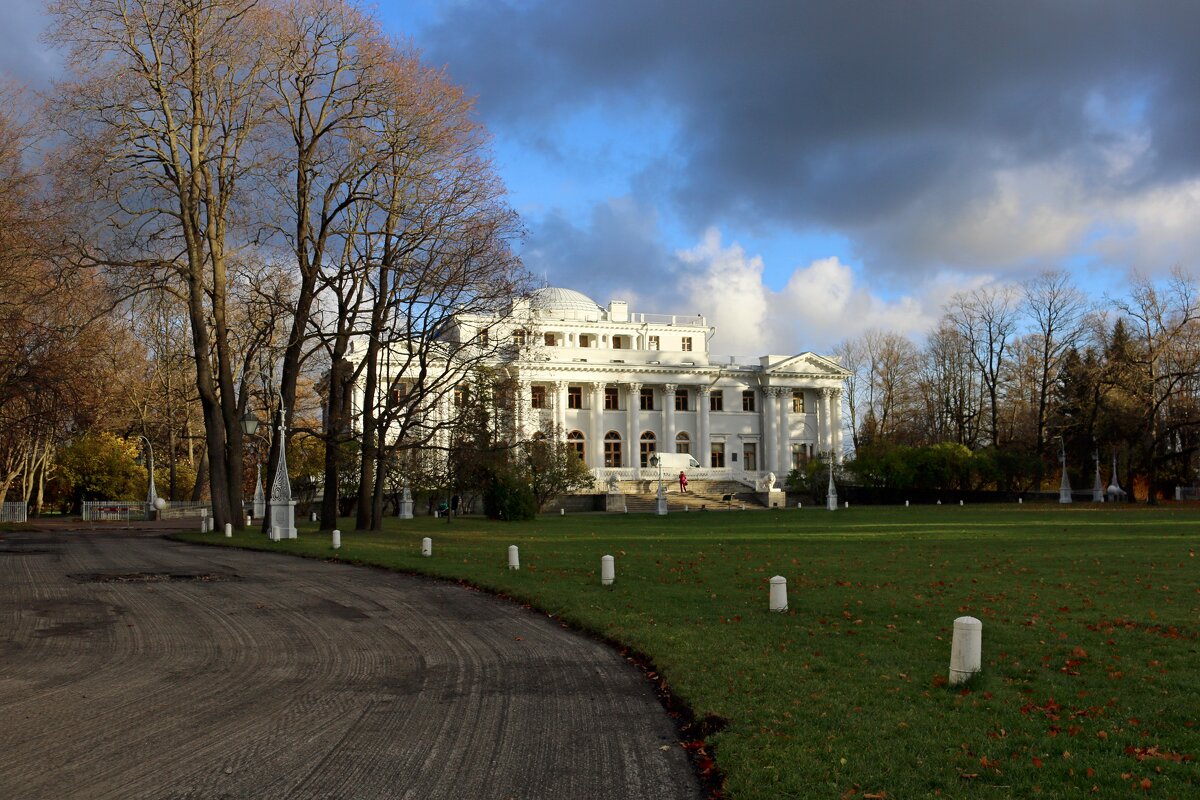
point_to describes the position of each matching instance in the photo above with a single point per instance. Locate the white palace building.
(620, 386)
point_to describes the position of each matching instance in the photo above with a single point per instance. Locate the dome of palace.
(564, 301)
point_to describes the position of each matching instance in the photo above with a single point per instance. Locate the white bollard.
(847, 504)
(960, 502)
(427, 547)
(276, 533)
(1020, 501)
(906, 504)
(514, 560)
(337, 539)
(313, 517)
(608, 570)
(779, 593)
(799, 505)
(228, 530)
(562, 512)
(966, 650)
(249, 521)
(939, 502)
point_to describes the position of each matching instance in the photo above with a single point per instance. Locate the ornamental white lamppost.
(283, 507)
(661, 508)
(250, 425)
(831, 495)
(151, 494)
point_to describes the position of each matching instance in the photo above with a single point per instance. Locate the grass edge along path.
(1090, 637)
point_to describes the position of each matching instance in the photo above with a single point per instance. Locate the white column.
(837, 425)
(824, 438)
(784, 462)
(595, 447)
(668, 443)
(560, 409)
(703, 448)
(633, 392)
(523, 411)
(768, 418)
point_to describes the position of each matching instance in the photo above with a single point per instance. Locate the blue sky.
(802, 171)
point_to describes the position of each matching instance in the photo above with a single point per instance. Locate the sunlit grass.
(1091, 637)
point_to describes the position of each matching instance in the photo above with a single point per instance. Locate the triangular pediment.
(809, 363)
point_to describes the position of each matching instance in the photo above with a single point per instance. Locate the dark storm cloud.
(616, 255)
(843, 114)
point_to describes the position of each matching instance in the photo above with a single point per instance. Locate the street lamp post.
(151, 494)
(250, 425)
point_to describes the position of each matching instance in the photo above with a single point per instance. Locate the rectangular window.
(681, 398)
(550, 340)
(687, 344)
(611, 399)
(612, 452)
(460, 396)
(574, 397)
(683, 444)
(483, 337)
(520, 337)
(716, 401)
(797, 402)
(618, 343)
(538, 394)
(398, 395)
(750, 456)
(647, 400)
(718, 454)
(748, 400)
(585, 340)
(798, 459)
(653, 344)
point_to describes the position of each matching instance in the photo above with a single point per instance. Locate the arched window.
(575, 442)
(612, 449)
(649, 446)
(683, 443)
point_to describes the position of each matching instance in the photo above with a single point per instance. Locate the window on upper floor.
(748, 400)
(620, 342)
(681, 399)
(483, 337)
(550, 339)
(687, 344)
(398, 395)
(460, 396)
(612, 398)
(538, 396)
(574, 397)
(646, 401)
(653, 343)
(716, 401)
(797, 402)
(520, 337)
(587, 340)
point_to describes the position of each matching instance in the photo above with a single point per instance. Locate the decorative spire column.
(1064, 486)
(260, 497)
(831, 494)
(283, 507)
(1098, 486)
(703, 447)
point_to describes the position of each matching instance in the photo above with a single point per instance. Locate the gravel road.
(132, 666)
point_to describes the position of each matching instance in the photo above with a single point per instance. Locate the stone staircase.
(641, 497)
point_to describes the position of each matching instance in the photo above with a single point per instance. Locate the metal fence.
(12, 512)
(113, 510)
(183, 509)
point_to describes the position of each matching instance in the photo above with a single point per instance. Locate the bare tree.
(986, 319)
(1056, 309)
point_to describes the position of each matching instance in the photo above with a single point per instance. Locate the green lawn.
(1091, 637)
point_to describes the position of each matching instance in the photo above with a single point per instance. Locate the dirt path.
(132, 666)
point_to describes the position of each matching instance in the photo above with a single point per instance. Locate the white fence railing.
(1187, 493)
(12, 512)
(602, 474)
(113, 510)
(183, 509)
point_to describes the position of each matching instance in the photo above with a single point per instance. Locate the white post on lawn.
(204, 524)
(966, 650)
(427, 547)
(778, 599)
(608, 570)
(228, 530)
(514, 559)
(337, 539)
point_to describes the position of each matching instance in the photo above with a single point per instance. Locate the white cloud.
(822, 303)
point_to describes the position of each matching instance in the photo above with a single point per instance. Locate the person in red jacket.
(682, 481)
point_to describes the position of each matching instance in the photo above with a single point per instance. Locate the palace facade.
(619, 386)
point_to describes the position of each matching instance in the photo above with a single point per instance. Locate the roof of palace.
(555, 299)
